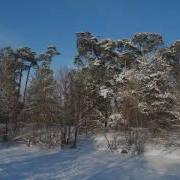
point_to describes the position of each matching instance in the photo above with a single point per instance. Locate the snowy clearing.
(88, 162)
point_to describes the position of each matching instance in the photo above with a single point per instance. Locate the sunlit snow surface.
(89, 161)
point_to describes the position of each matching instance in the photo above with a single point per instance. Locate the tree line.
(121, 85)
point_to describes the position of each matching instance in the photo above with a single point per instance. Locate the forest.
(127, 87)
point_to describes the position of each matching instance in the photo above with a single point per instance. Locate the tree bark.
(5, 138)
(69, 134)
(75, 137)
(25, 89)
(20, 80)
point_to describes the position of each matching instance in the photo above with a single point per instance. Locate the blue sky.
(39, 23)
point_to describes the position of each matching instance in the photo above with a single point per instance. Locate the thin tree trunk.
(75, 137)
(65, 134)
(20, 80)
(27, 79)
(5, 138)
(106, 120)
(69, 134)
(86, 128)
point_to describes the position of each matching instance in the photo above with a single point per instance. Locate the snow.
(105, 91)
(96, 63)
(88, 162)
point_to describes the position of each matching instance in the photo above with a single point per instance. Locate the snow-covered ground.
(89, 161)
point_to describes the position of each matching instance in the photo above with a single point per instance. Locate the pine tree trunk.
(5, 138)
(75, 137)
(69, 135)
(20, 80)
(27, 79)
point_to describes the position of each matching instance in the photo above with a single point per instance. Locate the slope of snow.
(87, 162)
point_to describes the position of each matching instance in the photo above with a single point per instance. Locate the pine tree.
(43, 102)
